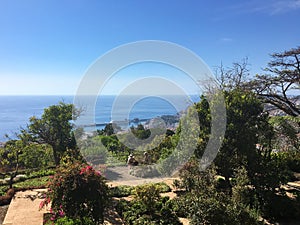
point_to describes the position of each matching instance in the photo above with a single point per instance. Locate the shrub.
(78, 192)
(121, 191)
(162, 187)
(68, 221)
(280, 207)
(147, 208)
(217, 209)
(125, 190)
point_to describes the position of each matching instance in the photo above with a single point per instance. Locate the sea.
(15, 111)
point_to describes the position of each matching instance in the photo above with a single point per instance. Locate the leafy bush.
(121, 191)
(207, 202)
(78, 192)
(162, 187)
(291, 159)
(125, 190)
(219, 210)
(68, 221)
(147, 208)
(176, 205)
(280, 207)
(36, 156)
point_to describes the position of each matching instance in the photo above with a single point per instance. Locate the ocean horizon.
(15, 110)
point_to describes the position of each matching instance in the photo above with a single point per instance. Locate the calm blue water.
(15, 111)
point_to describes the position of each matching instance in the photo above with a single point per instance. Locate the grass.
(35, 182)
(27, 184)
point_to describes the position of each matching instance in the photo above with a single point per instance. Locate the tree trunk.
(55, 156)
(14, 174)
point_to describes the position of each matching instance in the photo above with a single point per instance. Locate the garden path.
(119, 175)
(24, 208)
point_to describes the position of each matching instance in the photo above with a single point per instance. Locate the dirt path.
(3, 210)
(119, 175)
(24, 208)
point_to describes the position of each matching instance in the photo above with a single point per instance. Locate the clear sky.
(46, 46)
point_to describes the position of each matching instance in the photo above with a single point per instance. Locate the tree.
(140, 132)
(109, 129)
(283, 75)
(36, 156)
(53, 128)
(233, 77)
(10, 156)
(245, 118)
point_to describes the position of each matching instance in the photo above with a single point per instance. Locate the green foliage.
(140, 132)
(69, 221)
(218, 210)
(147, 208)
(291, 159)
(162, 187)
(93, 149)
(286, 130)
(125, 190)
(33, 183)
(244, 120)
(182, 144)
(78, 192)
(10, 158)
(3, 190)
(36, 156)
(109, 129)
(193, 179)
(53, 128)
(204, 203)
(10, 154)
(40, 173)
(71, 156)
(121, 191)
(160, 147)
(241, 191)
(268, 196)
(278, 207)
(148, 194)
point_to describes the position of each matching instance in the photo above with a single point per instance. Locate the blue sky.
(47, 46)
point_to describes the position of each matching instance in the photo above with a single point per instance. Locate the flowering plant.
(77, 192)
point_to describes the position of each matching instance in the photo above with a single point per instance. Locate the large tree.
(53, 128)
(280, 86)
(245, 119)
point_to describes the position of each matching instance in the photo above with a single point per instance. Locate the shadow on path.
(119, 173)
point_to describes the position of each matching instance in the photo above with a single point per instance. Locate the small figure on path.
(132, 161)
(147, 158)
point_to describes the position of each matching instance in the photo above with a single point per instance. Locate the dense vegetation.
(246, 183)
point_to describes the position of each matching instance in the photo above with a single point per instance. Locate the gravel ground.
(3, 210)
